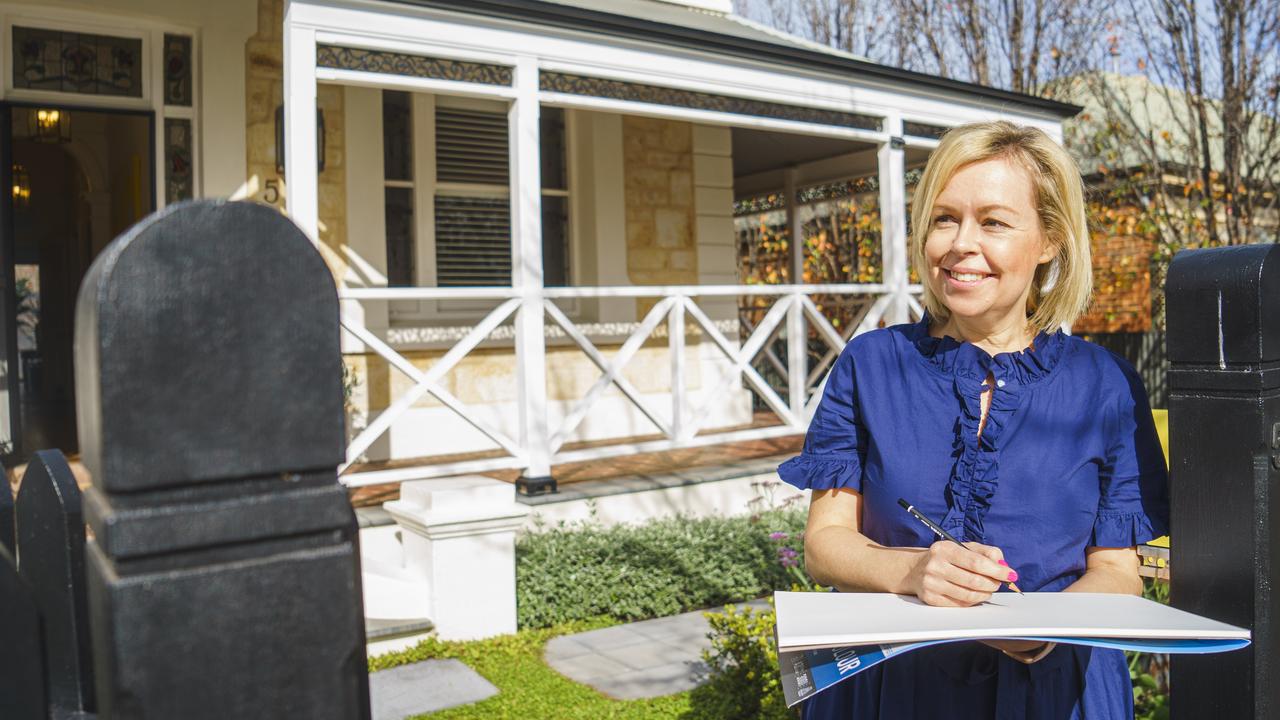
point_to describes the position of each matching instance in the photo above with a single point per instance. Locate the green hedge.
(582, 571)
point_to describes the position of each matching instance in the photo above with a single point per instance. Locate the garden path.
(637, 660)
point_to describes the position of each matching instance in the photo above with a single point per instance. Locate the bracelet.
(1034, 658)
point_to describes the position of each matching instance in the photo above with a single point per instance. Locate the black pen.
(937, 530)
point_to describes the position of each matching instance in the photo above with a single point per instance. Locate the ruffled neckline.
(954, 357)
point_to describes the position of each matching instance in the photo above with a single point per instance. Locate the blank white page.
(830, 619)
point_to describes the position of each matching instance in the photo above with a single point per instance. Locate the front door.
(78, 179)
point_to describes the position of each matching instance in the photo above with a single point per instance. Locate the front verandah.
(530, 432)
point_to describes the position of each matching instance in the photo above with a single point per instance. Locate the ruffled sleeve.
(835, 446)
(1134, 482)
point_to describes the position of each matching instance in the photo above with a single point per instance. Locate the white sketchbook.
(824, 638)
(830, 619)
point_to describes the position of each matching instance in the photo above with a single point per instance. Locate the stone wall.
(658, 164)
(264, 92)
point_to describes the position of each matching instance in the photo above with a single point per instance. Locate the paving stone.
(653, 682)
(424, 687)
(638, 660)
(565, 647)
(643, 656)
(616, 636)
(589, 668)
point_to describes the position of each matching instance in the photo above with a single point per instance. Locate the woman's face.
(985, 242)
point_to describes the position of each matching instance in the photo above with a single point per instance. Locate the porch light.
(51, 125)
(21, 185)
(280, 147)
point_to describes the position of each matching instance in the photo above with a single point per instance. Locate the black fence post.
(51, 561)
(22, 659)
(1223, 309)
(224, 576)
(8, 532)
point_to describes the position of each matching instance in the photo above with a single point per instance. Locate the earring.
(1051, 277)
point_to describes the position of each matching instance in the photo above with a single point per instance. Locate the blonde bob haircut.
(1060, 288)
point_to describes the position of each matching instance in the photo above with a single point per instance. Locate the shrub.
(574, 572)
(743, 681)
(1150, 671)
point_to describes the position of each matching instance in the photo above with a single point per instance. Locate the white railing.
(681, 424)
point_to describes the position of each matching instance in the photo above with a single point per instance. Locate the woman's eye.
(992, 222)
(939, 220)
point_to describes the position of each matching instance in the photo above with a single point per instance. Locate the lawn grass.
(528, 688)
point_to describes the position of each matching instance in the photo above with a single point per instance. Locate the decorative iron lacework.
(391, 63)
(841, 189)
(177, 70)
(924, 130)
(178, 176)
(618, 90)
(76, 62)
(759, 204)
(819, 193)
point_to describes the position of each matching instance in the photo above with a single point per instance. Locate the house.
(536, 211)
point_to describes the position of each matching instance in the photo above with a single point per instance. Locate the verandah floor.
(603, 469)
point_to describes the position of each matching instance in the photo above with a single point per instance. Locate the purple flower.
(778, 536)
(788, 557)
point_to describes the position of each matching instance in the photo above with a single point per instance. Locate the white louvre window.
(472, 213)
(473, 241)
(471, 146)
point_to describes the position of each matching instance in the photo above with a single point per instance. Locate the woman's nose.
(966, 238)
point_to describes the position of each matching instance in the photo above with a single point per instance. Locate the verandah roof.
(728, 35)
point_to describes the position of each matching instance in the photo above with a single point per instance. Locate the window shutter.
(473, 241)
(471, 146)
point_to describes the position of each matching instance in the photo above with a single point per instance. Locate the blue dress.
(1068, 459)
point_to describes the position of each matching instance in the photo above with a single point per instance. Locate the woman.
(1035, 448)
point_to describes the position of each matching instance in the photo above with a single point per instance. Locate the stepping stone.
(424, 687)
(637, 660)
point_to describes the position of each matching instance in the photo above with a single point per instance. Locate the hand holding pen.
(956, 574)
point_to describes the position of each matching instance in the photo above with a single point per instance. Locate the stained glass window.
(76, 62)
(178, 176)
(177, 70)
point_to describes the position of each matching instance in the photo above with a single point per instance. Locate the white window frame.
(408, 313)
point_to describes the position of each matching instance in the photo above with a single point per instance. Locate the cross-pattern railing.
(793, 318)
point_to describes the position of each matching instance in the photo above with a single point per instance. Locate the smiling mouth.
(966, 278)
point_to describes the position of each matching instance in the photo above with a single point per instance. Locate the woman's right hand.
(948, 575)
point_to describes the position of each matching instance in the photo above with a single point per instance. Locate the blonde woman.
(1034, 447)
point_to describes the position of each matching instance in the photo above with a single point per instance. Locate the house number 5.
(272, 194)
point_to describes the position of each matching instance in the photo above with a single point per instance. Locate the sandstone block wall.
(264, 92)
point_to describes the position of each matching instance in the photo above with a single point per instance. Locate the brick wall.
(1121, 285)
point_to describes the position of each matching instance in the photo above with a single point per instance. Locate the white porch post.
(797, 350)
(301, 167)
(526, 275)
(893, 220)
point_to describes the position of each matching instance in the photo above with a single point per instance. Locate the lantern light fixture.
(21, 182)
(50, 125)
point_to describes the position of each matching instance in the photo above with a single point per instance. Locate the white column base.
(459, 536)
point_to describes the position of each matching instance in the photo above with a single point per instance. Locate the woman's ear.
(1049, 252)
